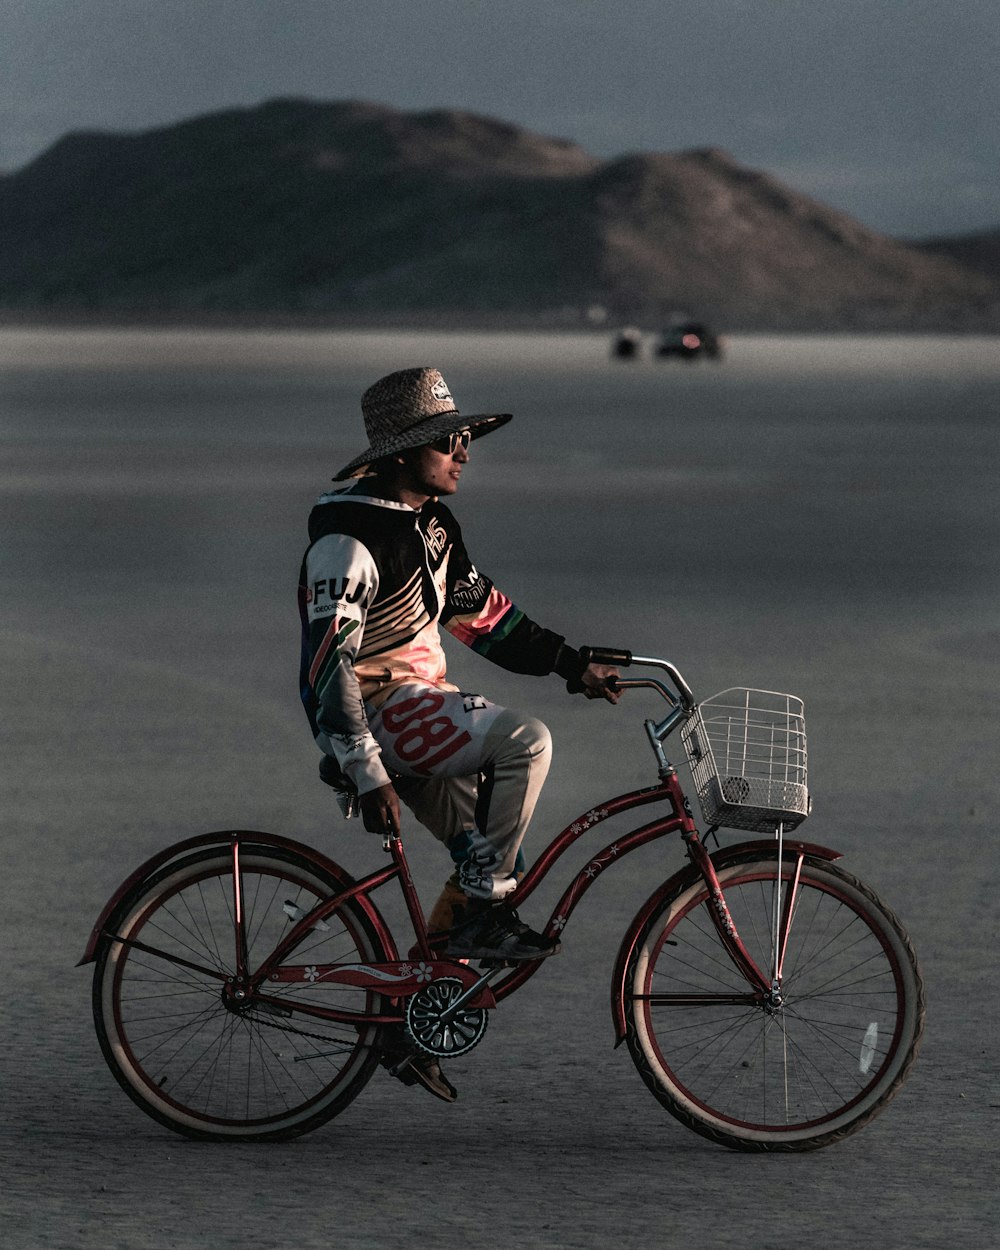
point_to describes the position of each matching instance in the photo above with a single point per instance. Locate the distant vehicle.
(688, 340)
(628, 344)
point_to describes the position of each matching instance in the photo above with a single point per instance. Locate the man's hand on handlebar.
(598, 682)
(380, 810)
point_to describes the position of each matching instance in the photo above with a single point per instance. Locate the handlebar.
(605, 655)
(625, 659)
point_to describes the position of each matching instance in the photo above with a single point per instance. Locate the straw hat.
(409, 409)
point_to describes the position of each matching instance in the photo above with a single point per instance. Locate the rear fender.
(685, 877)
(224, 839)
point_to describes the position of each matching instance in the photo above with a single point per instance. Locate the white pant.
(471, 772)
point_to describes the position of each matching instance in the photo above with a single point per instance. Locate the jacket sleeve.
(478, 614)
(339, 581)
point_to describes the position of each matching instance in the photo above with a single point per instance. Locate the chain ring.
(434, 1036)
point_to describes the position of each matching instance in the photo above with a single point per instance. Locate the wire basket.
(747, 751)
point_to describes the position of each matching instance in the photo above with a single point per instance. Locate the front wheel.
(176, 1041)
(797, 1073)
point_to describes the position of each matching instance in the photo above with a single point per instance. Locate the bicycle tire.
(186, 1059)
(803, 1076)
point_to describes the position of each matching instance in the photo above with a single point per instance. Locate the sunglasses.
(448, 445)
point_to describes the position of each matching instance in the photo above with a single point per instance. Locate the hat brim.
(422, 434)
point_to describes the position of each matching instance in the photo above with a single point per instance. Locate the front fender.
(224, 838)
(680, 880)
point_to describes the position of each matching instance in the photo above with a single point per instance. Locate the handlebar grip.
(605, 655)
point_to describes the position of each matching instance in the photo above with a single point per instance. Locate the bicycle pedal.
(401, 1071)
(485, 965)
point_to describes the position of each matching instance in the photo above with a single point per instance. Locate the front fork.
(765, 982)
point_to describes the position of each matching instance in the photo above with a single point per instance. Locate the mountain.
(355, 210)
(979, 252)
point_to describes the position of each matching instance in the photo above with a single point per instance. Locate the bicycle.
(246, 986)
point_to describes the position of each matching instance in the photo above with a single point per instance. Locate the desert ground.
(815, 515)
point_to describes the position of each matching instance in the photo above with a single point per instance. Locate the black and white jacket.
(377, 579)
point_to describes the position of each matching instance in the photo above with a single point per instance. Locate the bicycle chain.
(286, 1028)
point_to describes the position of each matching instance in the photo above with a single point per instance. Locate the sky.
(886, 109)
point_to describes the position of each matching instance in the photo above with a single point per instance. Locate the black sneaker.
(494, 931)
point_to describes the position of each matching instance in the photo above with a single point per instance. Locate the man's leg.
(440, 741)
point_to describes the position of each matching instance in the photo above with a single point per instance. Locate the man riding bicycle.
(385, 566)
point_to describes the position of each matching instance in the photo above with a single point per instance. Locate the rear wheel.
(170, 1030)
(797, 1073)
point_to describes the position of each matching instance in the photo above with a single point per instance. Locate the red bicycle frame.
(399, 979)
(395, 979)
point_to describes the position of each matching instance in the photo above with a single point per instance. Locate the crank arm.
(470, 994)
